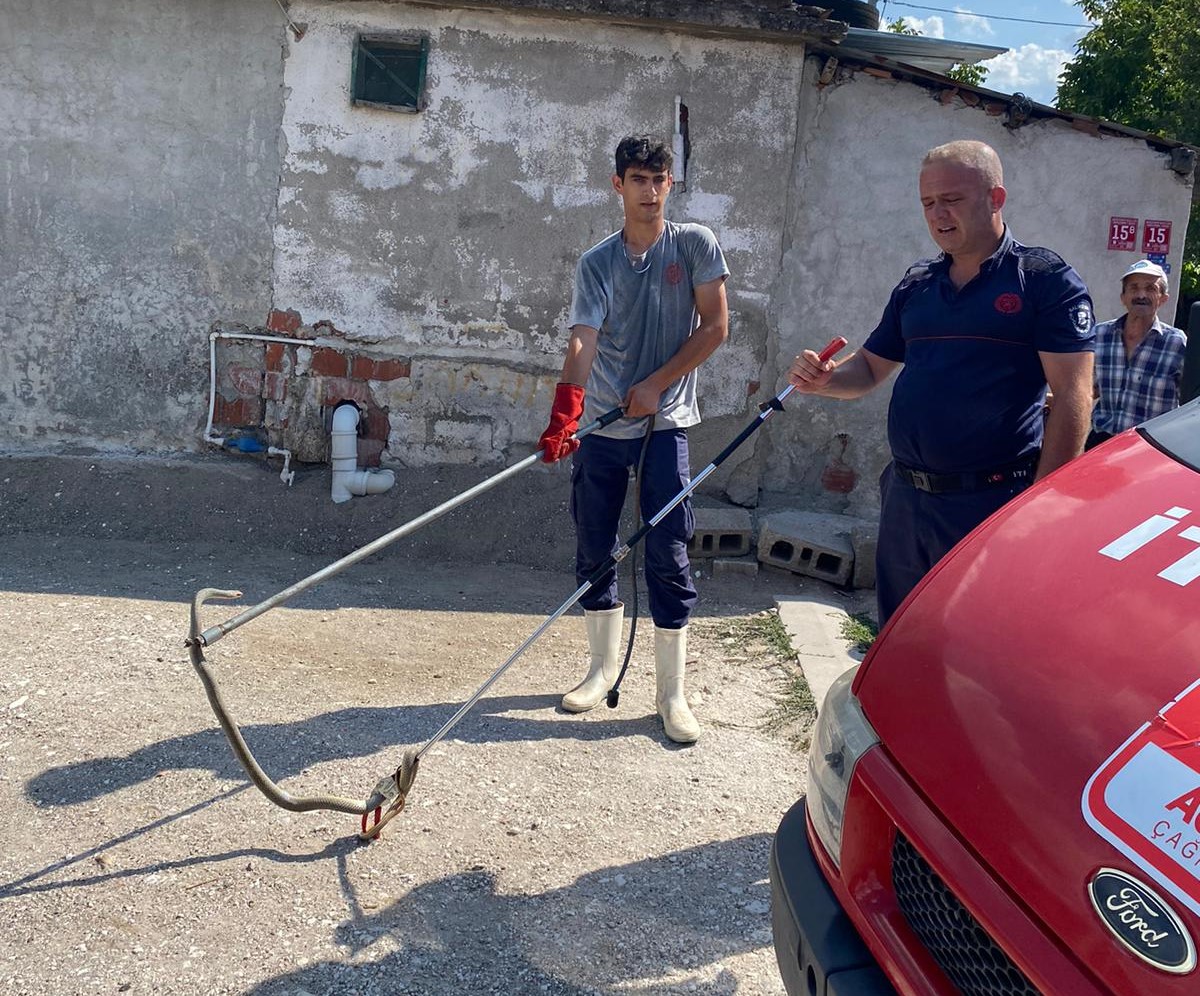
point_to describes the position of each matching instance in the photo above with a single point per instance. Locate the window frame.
(414, 41)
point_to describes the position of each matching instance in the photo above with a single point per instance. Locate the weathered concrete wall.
(140, 151)
(857, 224)
(167, 168)
(448, 238)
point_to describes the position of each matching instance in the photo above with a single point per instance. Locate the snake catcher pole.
(766, 410)
(389, 794)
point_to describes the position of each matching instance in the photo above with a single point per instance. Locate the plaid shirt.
(1136, 389)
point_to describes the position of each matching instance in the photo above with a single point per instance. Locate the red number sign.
(1122, 233)
(1156, 237)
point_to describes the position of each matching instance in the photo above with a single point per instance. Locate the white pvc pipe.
(285, 475)
(348, 478)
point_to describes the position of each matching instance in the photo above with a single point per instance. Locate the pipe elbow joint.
(349, 479)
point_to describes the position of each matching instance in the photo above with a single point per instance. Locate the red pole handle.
(836, 345)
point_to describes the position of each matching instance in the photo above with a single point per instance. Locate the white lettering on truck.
(1185, 570)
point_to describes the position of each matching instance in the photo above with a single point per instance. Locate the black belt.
(946, 483)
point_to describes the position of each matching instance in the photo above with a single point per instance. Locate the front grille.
(962, 948)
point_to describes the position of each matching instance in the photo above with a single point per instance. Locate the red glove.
(556, 441)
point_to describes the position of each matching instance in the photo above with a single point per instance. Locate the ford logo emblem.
(1142, 921)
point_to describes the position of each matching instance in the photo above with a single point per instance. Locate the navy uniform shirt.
(969, 397)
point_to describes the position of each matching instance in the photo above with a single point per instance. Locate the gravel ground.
(540, 852)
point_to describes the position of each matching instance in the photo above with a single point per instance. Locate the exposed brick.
(839, 478)
(369, 452)
(274, 386)
(365, 368)
(335, 389)
(274, 355)
(284, 321)
(752, 388)
(326, 327)
(328, 362)
(242, 411)
(392, 369)
(946, 96)
(247, 381)
(378, 424)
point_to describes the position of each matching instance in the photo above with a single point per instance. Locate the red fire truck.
(1004, 797)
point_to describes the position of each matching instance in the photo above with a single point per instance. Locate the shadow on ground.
(636, 922)
(288, 749)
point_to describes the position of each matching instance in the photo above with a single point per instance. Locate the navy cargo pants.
(599, 482)
(917, 529)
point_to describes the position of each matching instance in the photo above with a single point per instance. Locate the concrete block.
(721, 532)
(864, 538)
(812, 543)
(747, 569)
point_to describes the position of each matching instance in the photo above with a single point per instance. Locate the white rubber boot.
(604, 642)
(670, 657)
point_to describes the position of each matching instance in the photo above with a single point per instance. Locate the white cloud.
(930, 27)
(1030, 69)
(968, 28)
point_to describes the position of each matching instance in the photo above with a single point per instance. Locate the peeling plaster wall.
(140, 165)
(167, 167)
(449, 237)
(857, 225)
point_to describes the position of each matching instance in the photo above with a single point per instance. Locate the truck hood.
(1040, 687)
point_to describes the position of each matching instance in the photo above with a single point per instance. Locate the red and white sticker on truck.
(1145, 799)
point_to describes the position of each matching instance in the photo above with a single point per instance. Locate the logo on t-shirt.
(673, 274)
(1008, 304)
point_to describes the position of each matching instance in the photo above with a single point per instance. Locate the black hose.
(614, 693)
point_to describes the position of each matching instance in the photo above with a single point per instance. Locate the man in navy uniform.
(979, 330)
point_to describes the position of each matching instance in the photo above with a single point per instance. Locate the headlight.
(841, 736)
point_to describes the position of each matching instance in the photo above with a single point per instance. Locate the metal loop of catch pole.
(389, 795)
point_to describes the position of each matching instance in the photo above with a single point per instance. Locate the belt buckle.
(921, 481)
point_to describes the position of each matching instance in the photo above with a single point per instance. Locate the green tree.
(901, 27)
(970, 74)
(1140, 66)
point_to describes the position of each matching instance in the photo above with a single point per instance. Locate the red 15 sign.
(1122, 233)
(1156, 237)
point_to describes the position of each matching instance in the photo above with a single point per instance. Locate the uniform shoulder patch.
(1081, 316)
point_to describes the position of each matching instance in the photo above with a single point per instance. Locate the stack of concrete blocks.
(839, 549)
(726, 536)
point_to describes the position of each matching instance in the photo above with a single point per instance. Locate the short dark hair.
(645, 151)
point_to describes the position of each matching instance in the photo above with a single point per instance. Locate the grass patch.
(794, 712)
(795, 708)
(860, 630)
(762, 632)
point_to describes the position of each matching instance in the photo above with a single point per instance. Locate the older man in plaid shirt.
(1139, 359)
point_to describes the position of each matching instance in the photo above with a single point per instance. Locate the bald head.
(978, 157)
(962, 194)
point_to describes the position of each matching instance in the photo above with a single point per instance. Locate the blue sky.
(1036, 53)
